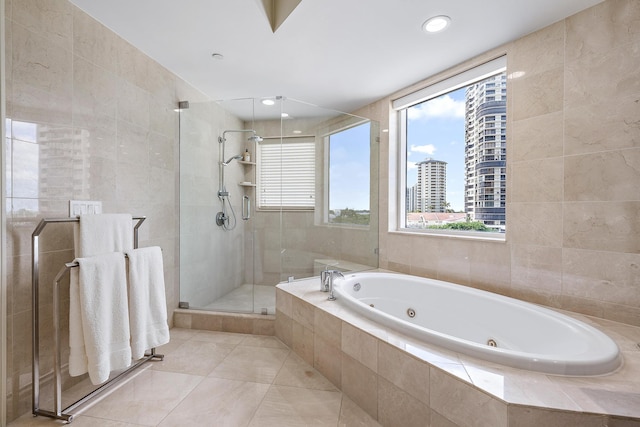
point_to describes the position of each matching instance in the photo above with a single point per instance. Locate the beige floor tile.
(146, 399)
(170, 346)
(85, 421)
(263, 341)
(351, 415)
(256, 364)
(235, 394)
(29, 420)
(295, 407)
(218, 402)
(297, 373)
(219, 337)
(194, 357)
(181, 333)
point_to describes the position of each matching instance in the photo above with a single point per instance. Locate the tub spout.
(331, 275)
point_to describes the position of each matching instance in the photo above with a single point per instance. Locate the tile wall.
(573, 207)
(89, 117)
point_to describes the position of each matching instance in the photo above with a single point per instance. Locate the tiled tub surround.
(400, 381)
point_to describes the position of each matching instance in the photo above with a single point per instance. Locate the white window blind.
(286, 173)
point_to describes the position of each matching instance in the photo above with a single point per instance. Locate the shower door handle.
(246, 208)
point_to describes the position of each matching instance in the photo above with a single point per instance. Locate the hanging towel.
(103, 233)
(102, 297)
(147, 304)
(95, 234)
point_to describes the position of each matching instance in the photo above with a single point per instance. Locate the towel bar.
(59, 412)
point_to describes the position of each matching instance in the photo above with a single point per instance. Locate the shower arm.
(222, 140)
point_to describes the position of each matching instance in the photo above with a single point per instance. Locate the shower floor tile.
(247, 299)
(246, 381)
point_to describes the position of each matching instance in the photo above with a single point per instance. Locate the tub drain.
(492, 343)
(357, 287)
(411, 312)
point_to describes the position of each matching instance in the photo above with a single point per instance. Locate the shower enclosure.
(272, 189)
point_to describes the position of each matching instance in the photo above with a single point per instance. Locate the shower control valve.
(221, 219)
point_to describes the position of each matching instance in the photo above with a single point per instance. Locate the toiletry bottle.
(247, 156)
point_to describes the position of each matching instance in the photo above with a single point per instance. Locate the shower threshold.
(246, 298)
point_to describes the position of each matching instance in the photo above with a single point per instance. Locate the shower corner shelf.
(246, 184)
(246, 163)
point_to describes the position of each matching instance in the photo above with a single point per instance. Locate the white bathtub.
(470, 321)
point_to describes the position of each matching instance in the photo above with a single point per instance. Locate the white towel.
(95, 234)
(102, 297)
(147, 304)
(103, 233)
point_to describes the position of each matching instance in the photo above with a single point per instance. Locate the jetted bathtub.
(480, 324)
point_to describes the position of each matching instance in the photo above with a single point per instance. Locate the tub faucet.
(331, 275)
(324, 280)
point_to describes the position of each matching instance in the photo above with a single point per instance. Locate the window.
(349, 175)
(452, 143)
(286, 173)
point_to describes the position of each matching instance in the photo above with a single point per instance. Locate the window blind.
(286, 173)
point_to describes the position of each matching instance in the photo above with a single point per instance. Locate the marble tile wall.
(89, 117)
(573, 206)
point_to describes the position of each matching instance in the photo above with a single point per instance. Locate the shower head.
(255, 136)
(238, 157)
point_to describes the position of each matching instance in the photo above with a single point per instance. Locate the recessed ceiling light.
(217, 56)
(436, 24)
(268, 101)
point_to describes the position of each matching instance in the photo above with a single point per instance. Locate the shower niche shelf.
(246, 184)
(242, 162)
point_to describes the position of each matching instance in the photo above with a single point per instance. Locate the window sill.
(347, 226)
(464, 235)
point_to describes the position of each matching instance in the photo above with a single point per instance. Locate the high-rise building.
(485, 151)
(411, 204)
(431, 189)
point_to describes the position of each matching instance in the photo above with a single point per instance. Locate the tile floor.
(220, 379)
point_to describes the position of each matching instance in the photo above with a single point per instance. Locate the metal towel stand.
(59, 412)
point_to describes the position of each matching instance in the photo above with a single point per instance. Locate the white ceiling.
(339, 54)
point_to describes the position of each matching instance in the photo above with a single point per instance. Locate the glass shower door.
(216, 223)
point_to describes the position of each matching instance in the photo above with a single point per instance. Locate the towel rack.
(59, 412)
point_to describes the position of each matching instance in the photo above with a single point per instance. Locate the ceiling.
(339, 54)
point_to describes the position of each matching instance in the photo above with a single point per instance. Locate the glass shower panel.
(216, 194)
(306, 200)
(316, 236)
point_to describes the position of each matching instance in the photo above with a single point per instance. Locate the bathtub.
(480, 324)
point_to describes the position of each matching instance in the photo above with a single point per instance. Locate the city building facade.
(485, 151)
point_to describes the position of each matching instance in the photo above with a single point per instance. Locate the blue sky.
(435, 128)
(349, 173)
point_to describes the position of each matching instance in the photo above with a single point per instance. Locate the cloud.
(442, 107)
(425, 149)
(411, 165)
